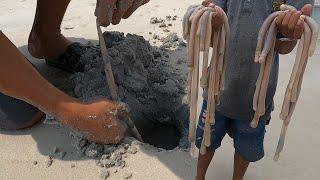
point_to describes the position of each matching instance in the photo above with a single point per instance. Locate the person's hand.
(290, 23)
(112, 11)
(134, 6)
(98, 121)
(217, 20)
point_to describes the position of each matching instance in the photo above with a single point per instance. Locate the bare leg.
(45, 39)
(203, 164)
(240, 166)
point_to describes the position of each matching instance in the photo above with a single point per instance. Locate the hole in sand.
(165, 136)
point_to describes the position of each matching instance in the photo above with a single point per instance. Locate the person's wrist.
(67, 112)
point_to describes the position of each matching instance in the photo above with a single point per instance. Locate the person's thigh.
(16, 114)
(248, 141)
(218, 130)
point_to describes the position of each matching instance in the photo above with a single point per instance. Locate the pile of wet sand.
(146, 81)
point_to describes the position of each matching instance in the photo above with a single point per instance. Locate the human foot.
(46, 43)
(56, 50)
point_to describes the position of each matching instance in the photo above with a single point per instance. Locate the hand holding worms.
(200, 35)
(306, 48)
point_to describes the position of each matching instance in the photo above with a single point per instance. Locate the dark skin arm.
(99, 120)
(291, 26)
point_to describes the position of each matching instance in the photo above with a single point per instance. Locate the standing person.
(234, 113)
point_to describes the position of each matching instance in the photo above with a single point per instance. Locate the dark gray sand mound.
(151, 87)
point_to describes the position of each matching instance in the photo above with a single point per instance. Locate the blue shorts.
(248, 141)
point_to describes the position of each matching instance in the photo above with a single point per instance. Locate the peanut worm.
(194, 93)
(194, 26)
(264, 85)
(306, 48)
(268, 42)
(199, 42)
(263, 30)
(304, 59)
(204, 78)
(287, 98)
(315, 32)
(202, 29)
(186, 22)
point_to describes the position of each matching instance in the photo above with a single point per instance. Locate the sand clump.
(151, 87)
(164, 23)
(146, 81)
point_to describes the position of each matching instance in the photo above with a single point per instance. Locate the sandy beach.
(20, 149)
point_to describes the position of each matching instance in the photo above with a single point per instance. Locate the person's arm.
(291, 26)
(19, 79)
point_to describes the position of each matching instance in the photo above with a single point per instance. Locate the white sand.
(300, 159)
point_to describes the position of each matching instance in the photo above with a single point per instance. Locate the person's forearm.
(19, 79)
(285, 47)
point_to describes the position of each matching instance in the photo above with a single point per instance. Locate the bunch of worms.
(264, 55)
(206, 45)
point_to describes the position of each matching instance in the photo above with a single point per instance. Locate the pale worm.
(306, 48)
(287, 98)
(315, 32)
(222, 46)
(199, 42)
(285, 105)
(204, 78)
(217, 72)
(301, 47)
(211, 92)
(194, 91)
(265, 80)
(258, 86)
(254, 123)
(268, 41)
(194, 26)
(304, 59)
(213, 79)
(226, 26)
(202, 27)
(263, 30)
(264, 86)
(227, 39)
(186, 22)
(194, 13)
(280, 142)
(194, 78)
(190, 69)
